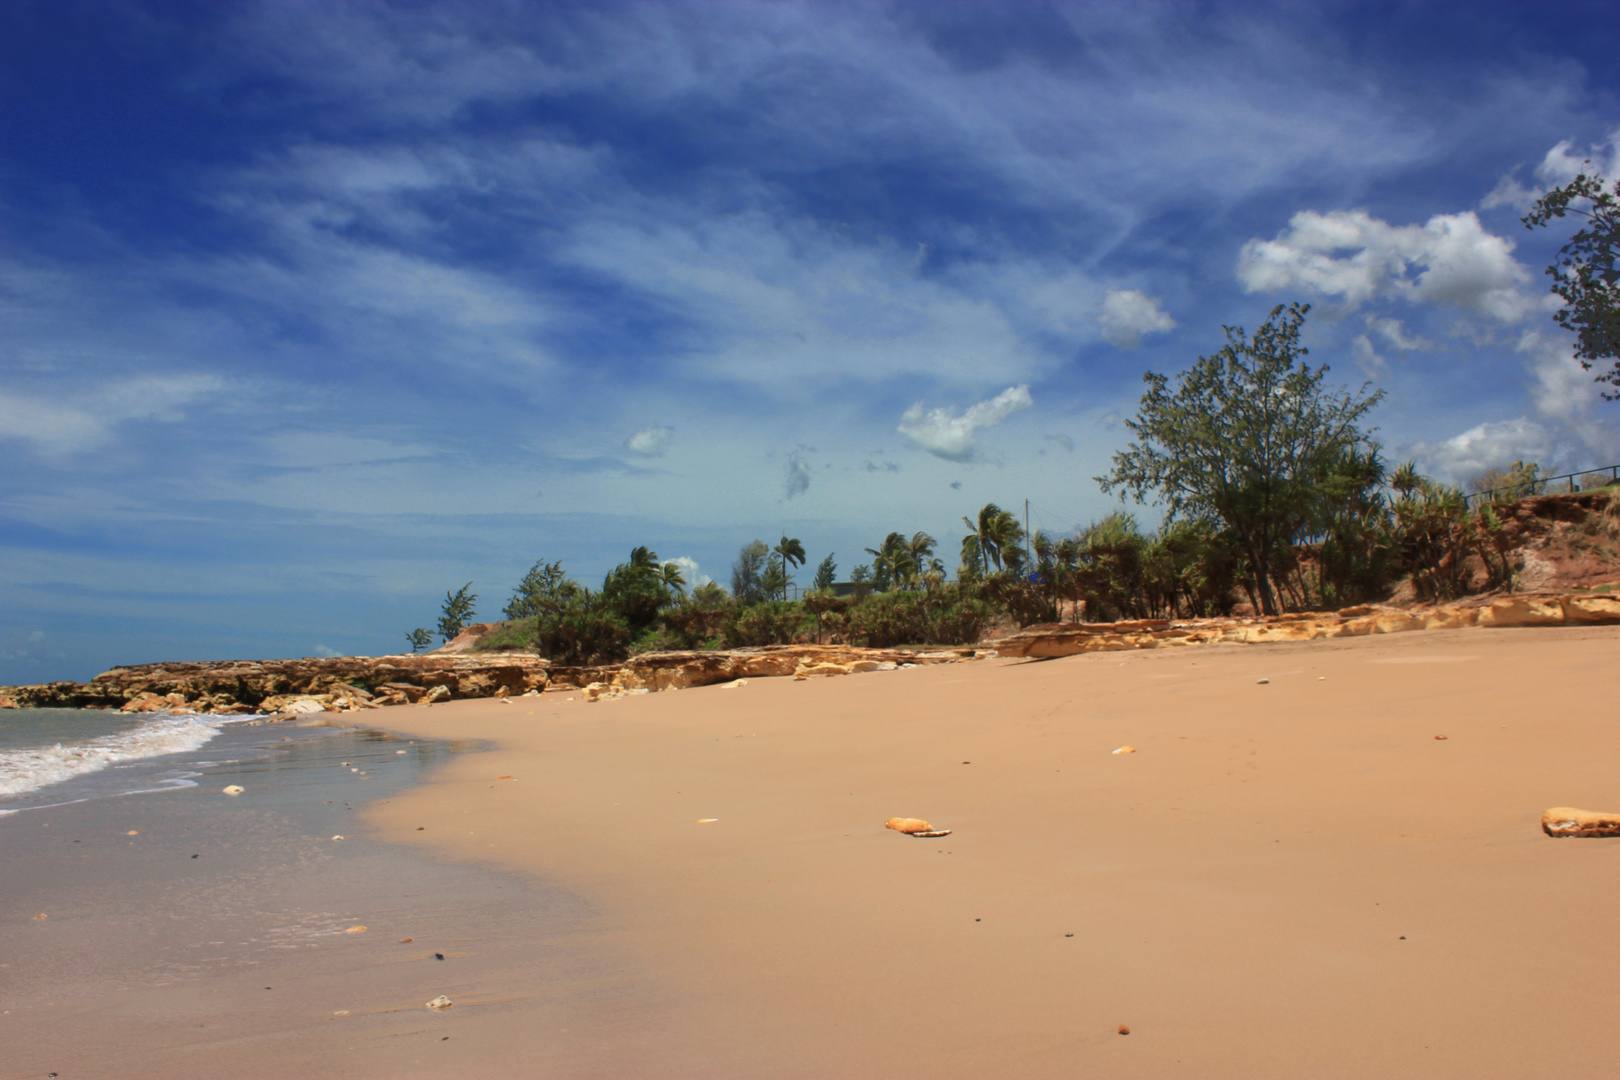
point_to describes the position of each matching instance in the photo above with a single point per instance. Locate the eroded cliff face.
(351, 683)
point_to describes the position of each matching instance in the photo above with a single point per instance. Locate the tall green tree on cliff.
(1585, 274)
(458, 611)
(1245, 437)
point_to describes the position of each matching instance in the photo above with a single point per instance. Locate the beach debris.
(1127, 749)
(438, 956)
(234, 789)
(40, 916)
(441, 1002)
(1568, 821)
(355, 930)
(1263, 682)
(734, 684)
(134, 832)
(1123, 1030)
(506, 778)
(340, 1012)
(705, 820)
(406, 940)
(505, 701)
(1441, 738)
(399, 751)
(914, 827)
(339, 837)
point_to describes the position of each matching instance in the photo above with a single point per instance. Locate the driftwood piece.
(1568, 821)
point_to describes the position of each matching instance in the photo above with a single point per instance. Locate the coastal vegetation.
(1274, 496)
(1585, 274)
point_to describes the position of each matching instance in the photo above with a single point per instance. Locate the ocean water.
(51, 756)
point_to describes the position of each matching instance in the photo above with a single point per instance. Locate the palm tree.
(892, 563)
(644, 558)
(791, 552)
(919, 547)
(997, 533)
(673, 580)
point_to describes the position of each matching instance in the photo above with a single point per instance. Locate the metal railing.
(1540, 484)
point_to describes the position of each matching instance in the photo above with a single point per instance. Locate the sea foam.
(29, 769)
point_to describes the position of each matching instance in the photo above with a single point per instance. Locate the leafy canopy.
(1245, 437)
(458, 611)
(1585, 274)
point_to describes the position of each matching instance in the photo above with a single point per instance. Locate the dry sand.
(1288, 879)
(1293, 878)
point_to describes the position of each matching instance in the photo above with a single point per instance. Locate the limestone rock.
(1568, 821)
(1069, 639)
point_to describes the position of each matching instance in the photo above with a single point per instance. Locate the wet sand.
(1291, 879)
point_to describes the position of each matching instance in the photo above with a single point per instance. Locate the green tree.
(1245, 437)
(636, 590)
(826, 573)
(419, 639)
(1585, 274)
(921, 549)
(674, 581)
(747, 573)
(458, 611)
(996, 536)
(790, 553)
(544, 588)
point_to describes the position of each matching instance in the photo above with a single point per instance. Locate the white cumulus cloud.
(1349, 254)
(1561, 165)
(1127, 314)
(1564, 431)
(650, 441)
(943, 433)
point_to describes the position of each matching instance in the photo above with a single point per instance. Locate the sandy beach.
(1291, 876)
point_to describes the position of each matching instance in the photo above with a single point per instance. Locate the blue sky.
(311, 311)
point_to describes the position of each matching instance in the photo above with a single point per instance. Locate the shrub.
(776, 622)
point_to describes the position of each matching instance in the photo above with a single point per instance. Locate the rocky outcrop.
(1068, 639)
(1568, 821)
(344, 683)
(351, 683)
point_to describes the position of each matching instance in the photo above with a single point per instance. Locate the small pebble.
(1263, 682)
(1123, 1030)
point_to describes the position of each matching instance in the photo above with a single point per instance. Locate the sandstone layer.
(1068, 639)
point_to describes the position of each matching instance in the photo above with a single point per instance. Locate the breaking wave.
(28, 769)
